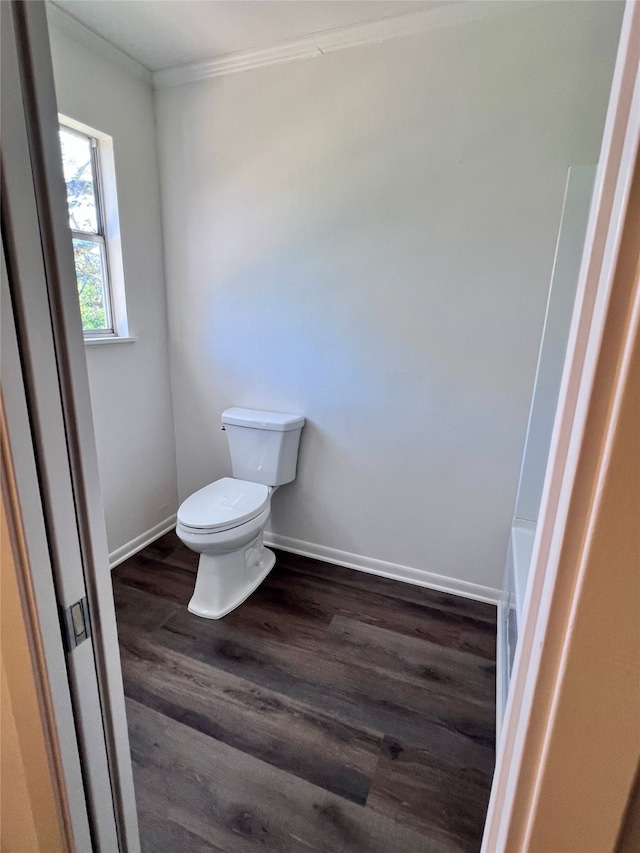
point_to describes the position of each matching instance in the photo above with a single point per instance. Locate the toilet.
(224, 521)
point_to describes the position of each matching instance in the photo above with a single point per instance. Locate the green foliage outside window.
(89, 266)
(84, 221)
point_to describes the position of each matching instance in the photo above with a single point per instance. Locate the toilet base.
(224, 581)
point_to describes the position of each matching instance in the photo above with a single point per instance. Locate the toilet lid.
(223, 504)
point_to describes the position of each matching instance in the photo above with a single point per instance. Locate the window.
(87, 159)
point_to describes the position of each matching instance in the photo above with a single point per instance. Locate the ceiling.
(162, 34)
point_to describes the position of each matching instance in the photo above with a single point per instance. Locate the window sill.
(113, 339)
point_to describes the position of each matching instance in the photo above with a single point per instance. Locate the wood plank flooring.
(333, 711)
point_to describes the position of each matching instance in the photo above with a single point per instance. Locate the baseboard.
(419, 577)
(407, 574)
(130, 548)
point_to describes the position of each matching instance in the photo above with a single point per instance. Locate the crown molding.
(312, 47)
(60, 20)
(455, 13)
(232, 63)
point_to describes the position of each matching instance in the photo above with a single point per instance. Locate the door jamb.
(538, 665)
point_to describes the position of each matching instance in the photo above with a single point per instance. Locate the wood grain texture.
(446, 801)
(347, 688)
(237, 803)
(141, 611)
(421, 620)
(157, 578)
(332, 711)
(476, 611)
(260, 722)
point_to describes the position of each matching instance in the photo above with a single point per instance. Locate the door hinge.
(76, 624)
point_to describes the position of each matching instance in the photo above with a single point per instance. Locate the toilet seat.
(222, 505)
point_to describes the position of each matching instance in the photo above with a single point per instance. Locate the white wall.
(366, 238)
(129, 382)
(553, 346)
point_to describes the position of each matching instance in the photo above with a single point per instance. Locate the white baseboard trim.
(130, 548)
(419, 577)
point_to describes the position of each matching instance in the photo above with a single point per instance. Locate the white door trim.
(58, 440)
(538, 667)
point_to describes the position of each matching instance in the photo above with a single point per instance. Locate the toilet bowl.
(224, 521)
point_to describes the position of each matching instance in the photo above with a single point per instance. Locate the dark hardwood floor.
(332, 711)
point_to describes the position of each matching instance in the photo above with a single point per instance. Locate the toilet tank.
(263, 445)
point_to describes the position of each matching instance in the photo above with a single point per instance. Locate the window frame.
(108, 233)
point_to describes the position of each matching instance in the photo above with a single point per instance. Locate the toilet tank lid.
(256, 419)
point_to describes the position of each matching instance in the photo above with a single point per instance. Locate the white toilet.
(224, 521)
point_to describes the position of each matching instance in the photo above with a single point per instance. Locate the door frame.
(553, 599)
(51, 447)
